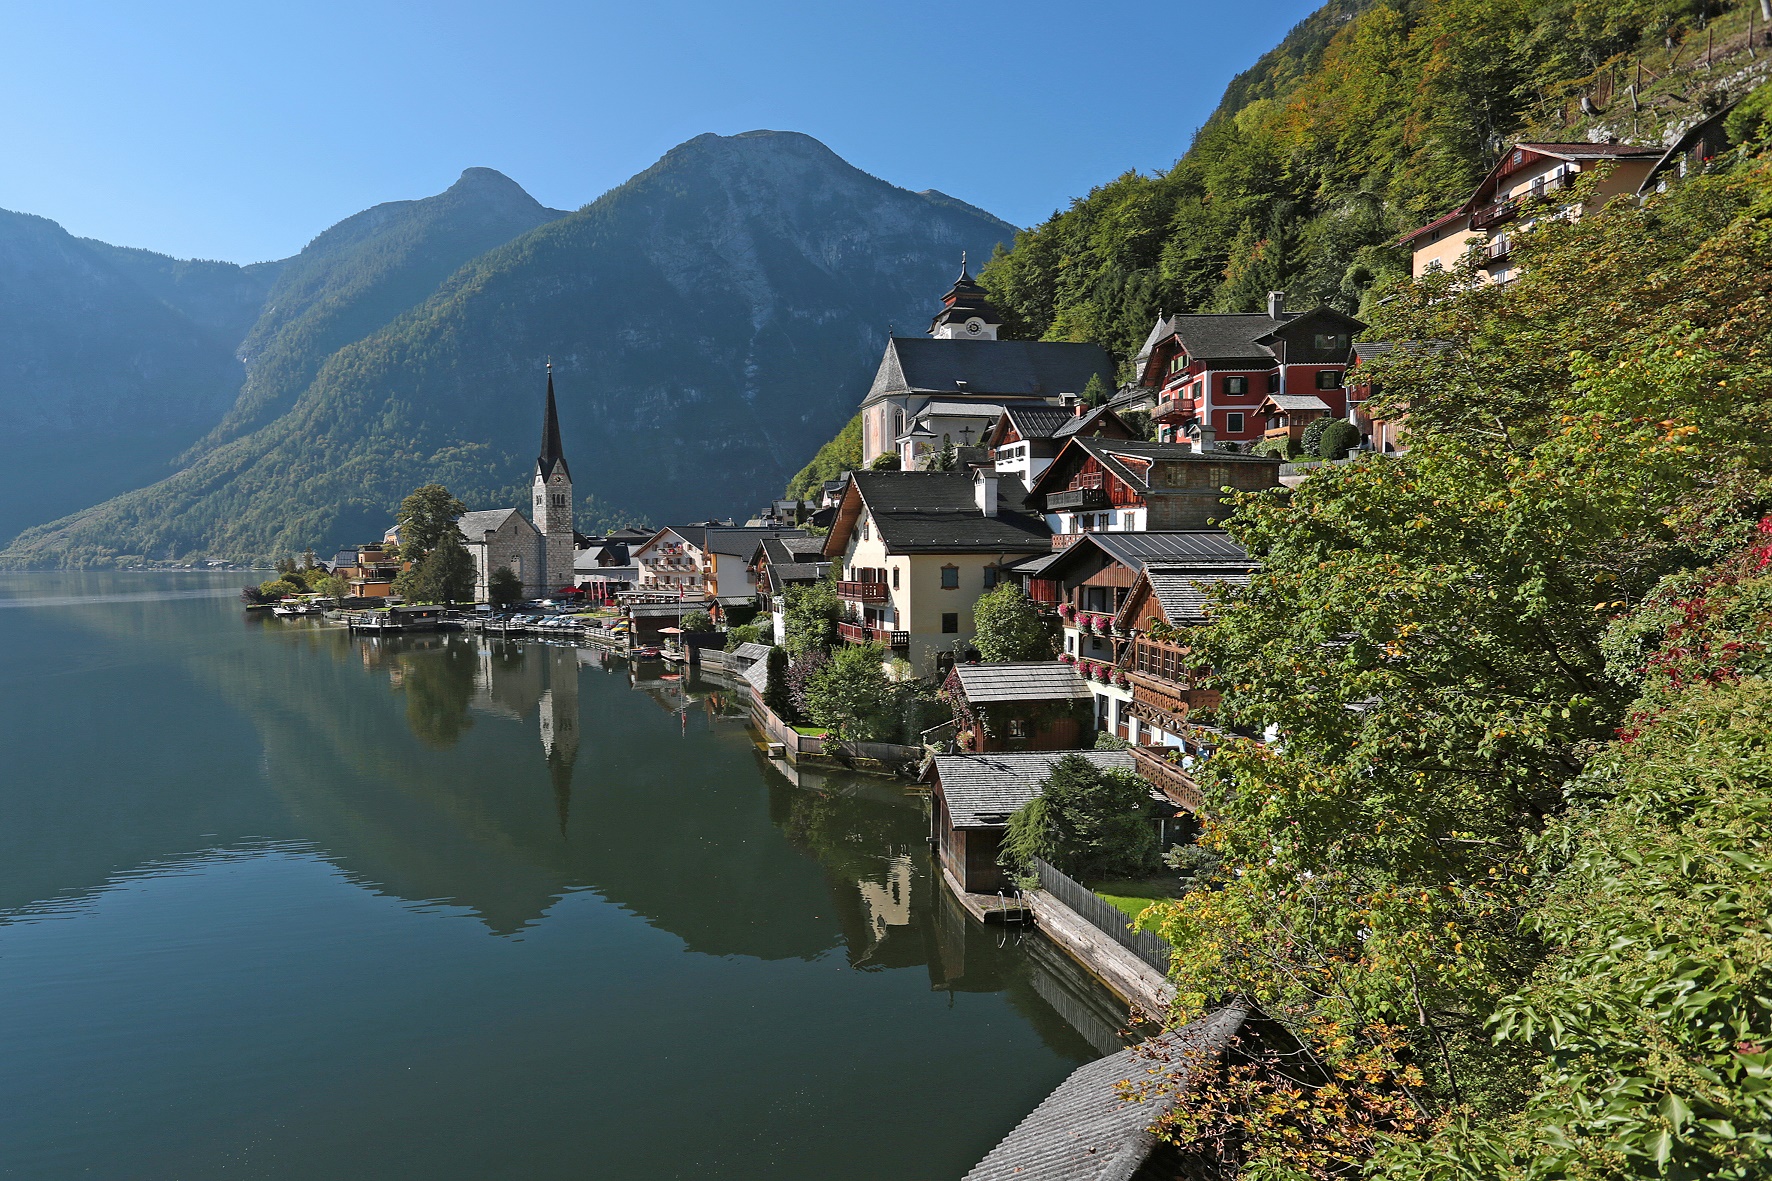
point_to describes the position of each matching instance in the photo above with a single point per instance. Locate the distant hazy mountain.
(112, 363)
(711, 322)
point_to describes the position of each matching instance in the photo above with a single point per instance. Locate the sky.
(241, 130)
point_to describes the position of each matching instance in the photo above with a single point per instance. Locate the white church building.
(538, 549)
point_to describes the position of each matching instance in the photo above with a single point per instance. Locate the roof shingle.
(983, 791)
(1018, 680)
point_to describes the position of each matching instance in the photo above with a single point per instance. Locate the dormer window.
(1326, 341)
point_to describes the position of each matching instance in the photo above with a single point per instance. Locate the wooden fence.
(1104, 916)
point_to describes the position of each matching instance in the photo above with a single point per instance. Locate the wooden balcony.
(1494, 215)
(1076, 499)
(861, 633)
(1166, 704)
(1167, 777)
(862, 592)
(1174, 409)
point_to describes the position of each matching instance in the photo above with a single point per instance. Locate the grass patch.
(1132, 896)
(811, 731)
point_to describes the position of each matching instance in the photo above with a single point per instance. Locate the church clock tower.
(553, 500)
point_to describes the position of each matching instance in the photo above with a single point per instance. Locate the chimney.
(1203, 438)
(984, 491)
(1276, 303)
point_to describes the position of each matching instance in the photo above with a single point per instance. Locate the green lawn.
(811, 731)
(1134, 895)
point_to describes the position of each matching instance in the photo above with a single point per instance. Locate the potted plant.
(1068, 612)
(1067, 658)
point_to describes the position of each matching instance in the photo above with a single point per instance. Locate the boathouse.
(974, 795)
(1019, 705)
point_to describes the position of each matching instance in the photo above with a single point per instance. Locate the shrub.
(849, 694)
(1337, 438)
(885, 463)
(1087, 822)
(698, 621)
(810, 618)
(504, 588)
(1312, 439)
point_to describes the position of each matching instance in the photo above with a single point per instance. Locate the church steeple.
(966, 311)
(551, 451)
(553, 501)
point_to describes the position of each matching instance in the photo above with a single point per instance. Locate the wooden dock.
(989, 908)
(1125, 975)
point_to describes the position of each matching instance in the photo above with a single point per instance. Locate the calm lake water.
(279, 903)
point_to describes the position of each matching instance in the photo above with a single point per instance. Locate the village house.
(1092, 580)
(369, 570)
(1213, 371)
(1018, 705)
(1025, 439)
(707, 565)
(952, 385)
(1524, 185)
(972, 797)
(782, 562)
(1099, 485)
(917, 549)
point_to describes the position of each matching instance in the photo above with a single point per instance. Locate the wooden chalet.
(1019, 705)
(1133, 486)
(1026, 439)
(1212, 371)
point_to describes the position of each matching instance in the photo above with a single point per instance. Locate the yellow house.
(1501, 204)
(915, 551)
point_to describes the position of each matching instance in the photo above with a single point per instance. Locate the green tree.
(1010, 627)
(841, 454)
(775, 685)
(504, 588)
(945, 460)
(1096, 392)
(809, 617)
(698, 621)
(1311, 441)
(850, 695)
(277, 588)
(333, 587)
(427, 515)
(446, 575)
(1086, 822)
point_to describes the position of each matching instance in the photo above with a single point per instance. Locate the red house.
(1217, 369)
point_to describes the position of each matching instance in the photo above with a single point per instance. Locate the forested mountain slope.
(103, 381)
(710, 321)
(1369, 119)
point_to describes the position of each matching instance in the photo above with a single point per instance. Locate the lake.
(280, 903)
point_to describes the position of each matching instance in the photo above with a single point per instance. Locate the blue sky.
(241, 130)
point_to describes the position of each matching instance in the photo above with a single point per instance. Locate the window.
(990, 577)
(1328, 379)
(895, 578)
(1233, 424)
(1235, 386)
(1325, 341)
(950, 622)
(950, 579)
(1273, 382)
(864, 528)
(1018, 728)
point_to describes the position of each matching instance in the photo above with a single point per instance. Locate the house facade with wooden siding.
(1131, 486)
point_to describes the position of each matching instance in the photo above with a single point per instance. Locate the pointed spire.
(963, 273)
(551, 451)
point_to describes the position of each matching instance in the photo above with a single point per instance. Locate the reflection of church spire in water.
(559, 726)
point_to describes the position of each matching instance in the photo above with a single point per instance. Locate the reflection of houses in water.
(888, 904)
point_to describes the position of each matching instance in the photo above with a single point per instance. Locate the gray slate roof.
(1039, 422)
(1021, 680)
(750, 652)
(1108, 452)
(474, 526)
(1136, 550)
(937, 512)
(1085, 1130)
(741, 542)
(1177, 591)
(1298, 401)
(757, 676)
(1024, 368)
(983, 791)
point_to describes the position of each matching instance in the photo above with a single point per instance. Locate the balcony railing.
(861, 633)
(1076, 499)
(1494, 215)
(1167, 777)
(1498, 248)
(1173, 408)
(862, 592)
(1155, 658)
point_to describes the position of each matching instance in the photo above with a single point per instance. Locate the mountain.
(710, 322)
(112, 363)
(360, 274)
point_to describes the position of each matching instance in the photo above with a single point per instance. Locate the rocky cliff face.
(711, 321)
